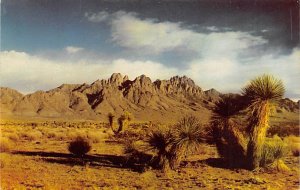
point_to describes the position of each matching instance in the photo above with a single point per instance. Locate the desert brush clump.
(5, 144)
(160, 140)
(274, 149)
(134, 156)
(122, 122)
(174, 143)
(225, 131)
(263, 93)
(187, 136)
(294, 144)
(79, 146)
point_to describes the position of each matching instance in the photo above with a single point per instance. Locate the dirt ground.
(38, 158)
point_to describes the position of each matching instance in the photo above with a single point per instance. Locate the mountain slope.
(161, 100)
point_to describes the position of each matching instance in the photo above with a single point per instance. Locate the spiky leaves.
(264, 88)
(160, 140)
(186, 139)
(263, 92)
(230, 141)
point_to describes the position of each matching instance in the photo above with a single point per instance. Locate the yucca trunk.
(176, 157)
(236, 146)
(258, 129)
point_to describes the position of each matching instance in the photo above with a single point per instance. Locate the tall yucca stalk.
(230, 141)
(263, 92)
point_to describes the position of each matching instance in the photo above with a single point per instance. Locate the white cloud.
(228, 74)
(151, 69)
(73, 49)
(97, 17)
(150, 36)
(29, 73)
(212, 28)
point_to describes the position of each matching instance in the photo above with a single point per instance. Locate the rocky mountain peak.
(116, 78)
(143, 80)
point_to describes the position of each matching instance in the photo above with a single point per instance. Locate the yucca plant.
(263, 93)
(160, 140)
(123, 122)
(230, 141)
(112, 124)
(187, 136)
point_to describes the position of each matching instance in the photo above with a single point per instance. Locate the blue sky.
(216, 43)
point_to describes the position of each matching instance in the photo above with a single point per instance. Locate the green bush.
(273, 150)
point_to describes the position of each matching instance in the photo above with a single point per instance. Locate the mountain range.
(159, 101)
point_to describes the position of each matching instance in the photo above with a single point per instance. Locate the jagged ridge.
(161, 100)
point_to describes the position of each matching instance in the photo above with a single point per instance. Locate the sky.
(220, 44)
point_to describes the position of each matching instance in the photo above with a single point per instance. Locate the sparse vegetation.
(125, 163)
(273, 150)
(126, 159)
(80, 146)
(5, 145)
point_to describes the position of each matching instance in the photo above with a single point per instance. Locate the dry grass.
(5, 144)
(46, 164)
(294, 144)
(31, 135)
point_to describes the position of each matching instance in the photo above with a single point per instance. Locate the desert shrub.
(13, 136)
(273, 150)
(134, 157)
(295, 148)
(2, 163)
(31, 135)
(160, 140)
(187, 136)
(5, 144)
(294, 144)
(284, 130)
(95, 137)
(129, 147)
(79, 146)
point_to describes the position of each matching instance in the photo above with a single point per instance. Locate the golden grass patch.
(5, 144)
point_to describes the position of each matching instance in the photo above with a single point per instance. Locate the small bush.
(5, 145)
(80, 146)
(273, 150)
(294, 144)
(95, 137)
(31, 136)
(295, 148)
(14, 137)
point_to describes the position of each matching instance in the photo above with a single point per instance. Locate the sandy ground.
(42, 161)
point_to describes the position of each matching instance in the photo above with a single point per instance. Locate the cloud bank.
(217, 59)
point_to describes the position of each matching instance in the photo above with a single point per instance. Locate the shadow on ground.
(137, 164)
